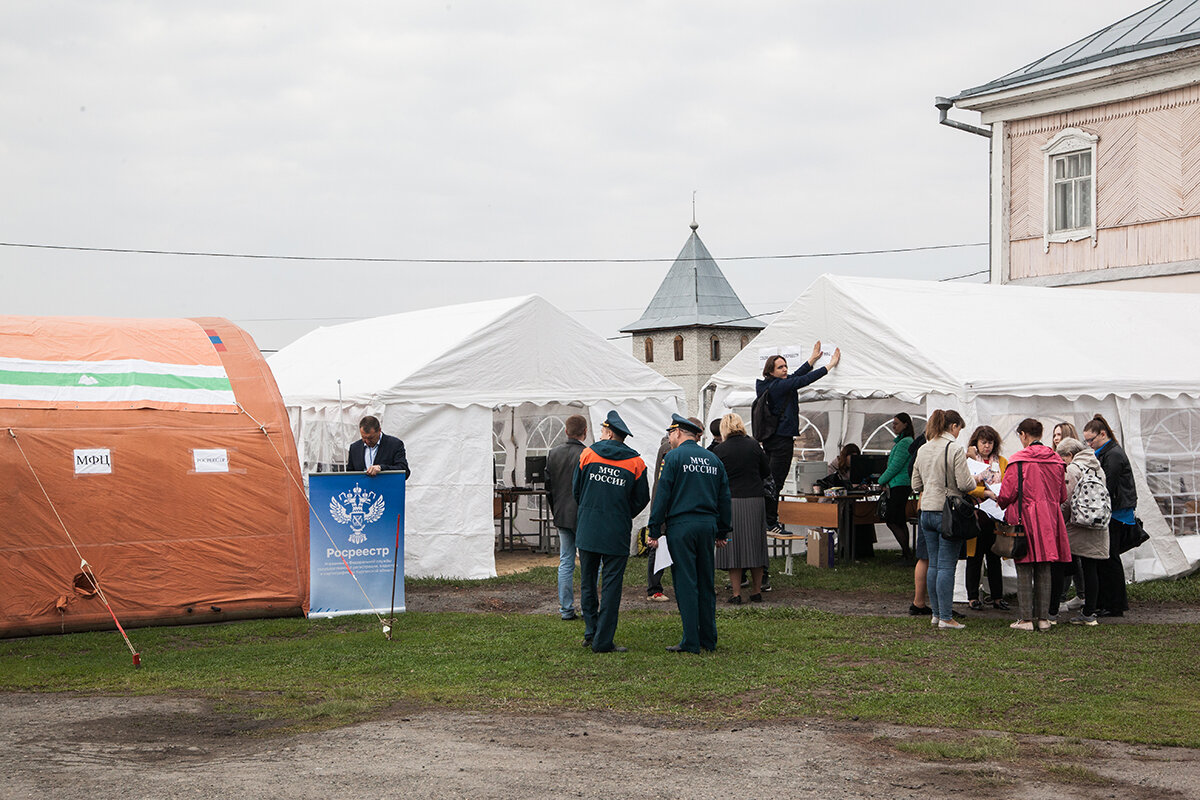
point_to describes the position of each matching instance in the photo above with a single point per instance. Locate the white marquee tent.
(471, 389)
(999, 354)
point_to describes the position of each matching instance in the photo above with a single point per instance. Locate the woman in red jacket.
(1032, 493)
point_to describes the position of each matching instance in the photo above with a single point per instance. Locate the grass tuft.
(974, 749)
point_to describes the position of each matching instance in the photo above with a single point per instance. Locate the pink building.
(1094, 159)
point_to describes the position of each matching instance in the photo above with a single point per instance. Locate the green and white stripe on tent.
(117, 381)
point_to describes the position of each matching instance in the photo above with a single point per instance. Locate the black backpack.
(763, 421)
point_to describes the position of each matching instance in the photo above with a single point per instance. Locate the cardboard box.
(820, 547)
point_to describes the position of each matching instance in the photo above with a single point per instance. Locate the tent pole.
(341, 422)
(395, 557)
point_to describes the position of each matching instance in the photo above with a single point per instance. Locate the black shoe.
(766, 587)
(1104, 612)
(745, 582)
(915, 610)
(957, 615)
(756, 598)
(568, 617)
(616, 648)
(587, 642)
(736, 600)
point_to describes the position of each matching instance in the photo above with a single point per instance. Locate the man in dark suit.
(376, 451)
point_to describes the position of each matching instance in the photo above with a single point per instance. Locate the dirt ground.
(63, 745)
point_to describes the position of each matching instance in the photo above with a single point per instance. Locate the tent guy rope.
(84, 567)
(385, 623)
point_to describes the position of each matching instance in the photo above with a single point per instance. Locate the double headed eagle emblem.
(358, 509)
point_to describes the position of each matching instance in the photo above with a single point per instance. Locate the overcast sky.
(488, 130)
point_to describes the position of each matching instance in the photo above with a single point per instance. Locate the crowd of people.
(1066, 510)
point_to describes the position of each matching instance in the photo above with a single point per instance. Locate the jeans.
(566, 572)
(943, 561)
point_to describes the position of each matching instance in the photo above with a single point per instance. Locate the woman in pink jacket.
(1037, 504)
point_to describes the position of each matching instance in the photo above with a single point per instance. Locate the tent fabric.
(169, 541)
(89, 362)
(997, 354)
(435, 378)
(929, 337)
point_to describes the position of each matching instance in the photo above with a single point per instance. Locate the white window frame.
(1067, 142)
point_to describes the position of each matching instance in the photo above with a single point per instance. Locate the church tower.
(694, 324)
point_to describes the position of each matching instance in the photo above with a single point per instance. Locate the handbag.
(884, 505)
(958, 513)
(1011, 541)
(1131, 536)
(769, 490)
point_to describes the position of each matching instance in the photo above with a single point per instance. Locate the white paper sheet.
(990, 507)
(662, 555)
(977, 467)
(826, 355)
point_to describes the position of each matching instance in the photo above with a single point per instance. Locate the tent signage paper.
(361, 515)
(211, 460)
(790, 353)
(93, 462)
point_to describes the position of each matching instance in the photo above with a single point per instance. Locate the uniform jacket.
(389, 456)
(1085, 542)
(929, 472)
(610, 487)
(781, 396)
(561, 463)
(693, 487)
(1118, 475)
(1043, 491)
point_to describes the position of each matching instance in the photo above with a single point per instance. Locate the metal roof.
(694, 293)
(1157, 30)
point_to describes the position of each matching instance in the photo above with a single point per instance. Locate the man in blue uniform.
(693, 500)
(611, 489)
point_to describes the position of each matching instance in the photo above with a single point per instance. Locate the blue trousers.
(600, 614)
(566, 572)
(943, 560)
(695, 594)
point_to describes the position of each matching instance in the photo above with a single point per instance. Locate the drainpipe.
(943, 106)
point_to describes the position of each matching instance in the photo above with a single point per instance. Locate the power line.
(968, 275)
(373, 260)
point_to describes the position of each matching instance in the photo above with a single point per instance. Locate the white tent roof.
(906, 339)
(496, 352)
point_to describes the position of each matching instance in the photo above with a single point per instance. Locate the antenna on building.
(694, 225)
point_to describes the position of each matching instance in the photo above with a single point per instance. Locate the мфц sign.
(355, 518)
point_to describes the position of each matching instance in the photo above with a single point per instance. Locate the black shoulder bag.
(958, 513)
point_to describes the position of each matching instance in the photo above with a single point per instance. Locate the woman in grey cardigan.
(941, 470)
(1090, 545)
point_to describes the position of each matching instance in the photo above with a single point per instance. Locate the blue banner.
(362, 515)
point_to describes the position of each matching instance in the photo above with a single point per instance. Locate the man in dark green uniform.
(692, 498)
(611, 489)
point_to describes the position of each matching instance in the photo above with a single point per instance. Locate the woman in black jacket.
(1112, 599)
(746, 465)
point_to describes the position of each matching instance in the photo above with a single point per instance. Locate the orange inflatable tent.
(151, 458)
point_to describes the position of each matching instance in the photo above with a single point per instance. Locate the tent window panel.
(649, 350)
(714, 348)
(679, 348)
(880, 439)
(1172, 441)
(548, 432)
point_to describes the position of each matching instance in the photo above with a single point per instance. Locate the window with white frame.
(1070, 174)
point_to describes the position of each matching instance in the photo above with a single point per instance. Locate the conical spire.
(694, 293)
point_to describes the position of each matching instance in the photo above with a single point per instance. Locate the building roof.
(1162, 28)
(694, 293)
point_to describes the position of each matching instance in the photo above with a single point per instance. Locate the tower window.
(714, 348)
(649, 350)
(679, 348)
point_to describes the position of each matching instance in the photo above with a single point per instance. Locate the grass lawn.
(1133, 683)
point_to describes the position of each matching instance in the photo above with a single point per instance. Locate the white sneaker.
(933, 621)
(1075, 603)
(952, 624)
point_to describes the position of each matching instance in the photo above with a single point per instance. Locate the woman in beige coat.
(1090, 545)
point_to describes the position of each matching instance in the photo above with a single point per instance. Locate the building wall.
(697, 365)
(1147, 187)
